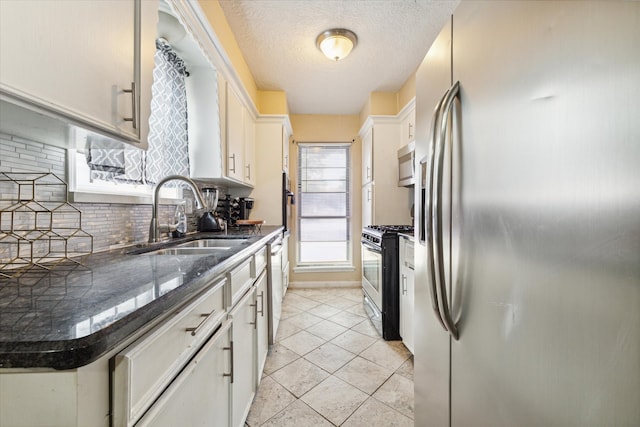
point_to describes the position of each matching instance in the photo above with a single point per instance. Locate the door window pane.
(324, 204)
(323, 230)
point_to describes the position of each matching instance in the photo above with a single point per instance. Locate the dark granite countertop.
(70, 316)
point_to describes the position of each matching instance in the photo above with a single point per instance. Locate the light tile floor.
(329, 367)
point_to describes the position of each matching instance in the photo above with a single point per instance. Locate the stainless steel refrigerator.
(527, 265)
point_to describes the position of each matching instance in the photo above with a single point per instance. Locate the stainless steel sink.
(186, 251)
(200, 247)
(212, 243)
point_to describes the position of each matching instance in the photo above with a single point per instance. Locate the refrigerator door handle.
(427, 168)
(445, 111)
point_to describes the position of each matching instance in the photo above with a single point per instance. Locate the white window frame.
(82, 189)
(329, 266)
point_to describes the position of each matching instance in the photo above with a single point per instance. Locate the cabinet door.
(235, 136)
(406, 292)
(244, 345)
(199, 396)
(408, 127)
(262, 327)
(249, 148)
(285, 263)
(367, 204)
(285, 149)
(78, 59)
(206, 126)
(146, 367)
(367, 157)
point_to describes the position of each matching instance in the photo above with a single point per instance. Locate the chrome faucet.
(154, 227)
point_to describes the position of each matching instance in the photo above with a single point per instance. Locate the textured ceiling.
(277, 38)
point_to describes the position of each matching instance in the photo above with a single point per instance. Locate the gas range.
(375, 233)
(391, 228)
(380, 281)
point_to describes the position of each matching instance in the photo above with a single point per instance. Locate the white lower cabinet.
(262, 328)
(243, 337)
(197, 366)
(285, 264)
(406, 292)
(144, 369)
(200, 395)
(241, 278)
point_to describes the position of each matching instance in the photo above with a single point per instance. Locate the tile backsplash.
(110, 223)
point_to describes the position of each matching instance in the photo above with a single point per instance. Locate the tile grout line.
(300, 298)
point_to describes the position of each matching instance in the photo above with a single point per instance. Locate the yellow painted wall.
(218, 21)
(388, 103)
(407, 92)
(324, 128)
(330, 128)
(384, 103)
(272, 102)
(379, 103)
(365, 112)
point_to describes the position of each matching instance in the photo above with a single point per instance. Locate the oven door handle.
(371, 305)
(371, 246)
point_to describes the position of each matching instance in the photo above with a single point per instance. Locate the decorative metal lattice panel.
(39, 228)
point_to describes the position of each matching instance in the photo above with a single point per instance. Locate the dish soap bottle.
(180, 220)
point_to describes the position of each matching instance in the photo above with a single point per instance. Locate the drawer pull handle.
(194, 330)
(134, 113)
(233, 158)
(230, 374)
(261, 311)
(255, 312)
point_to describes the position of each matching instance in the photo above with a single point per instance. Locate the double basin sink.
(199, 247)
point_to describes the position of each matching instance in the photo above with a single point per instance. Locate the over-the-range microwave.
(406, 165)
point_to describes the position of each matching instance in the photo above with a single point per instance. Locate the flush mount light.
(336, 43)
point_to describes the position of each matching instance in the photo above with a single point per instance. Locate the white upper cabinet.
(367, 156)
(89, 63)
(221, 131)
(286, 136)
(408, 123)
(383, 202)
(249, 148)
(272, 136)
(205, 90)
(367, 204)
(235, 136)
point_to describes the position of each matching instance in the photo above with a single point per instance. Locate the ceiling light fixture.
(336, 43)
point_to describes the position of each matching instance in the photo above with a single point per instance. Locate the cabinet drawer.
(146, 367)
(200, 395)
(240, 279)
(260, 262)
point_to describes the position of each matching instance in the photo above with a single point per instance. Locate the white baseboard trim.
(325, 284)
